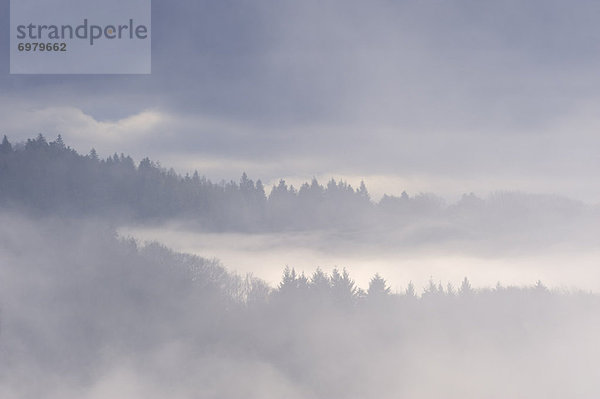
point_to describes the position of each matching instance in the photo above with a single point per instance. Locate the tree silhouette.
(343, 288)
(465, 288)
(378, 287)
(5, 147)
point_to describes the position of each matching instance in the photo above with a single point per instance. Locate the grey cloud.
(428, 87)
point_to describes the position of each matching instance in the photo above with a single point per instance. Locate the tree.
(362, 191)
(378, 287)
(302, 283)
(410, 290)
(256, 291)
(246, 185)
(93, 155)
(5, 147)
(465, 288)
(343, 288)
(289, 281)
(432, 290)
(59, 143)
(260, 191)
(38, 143)
(320, 284)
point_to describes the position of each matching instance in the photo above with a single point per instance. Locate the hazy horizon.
(393, 199)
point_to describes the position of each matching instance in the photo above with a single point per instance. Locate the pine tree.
(260, 191)
(246, 185)
(378, 287)
(320, 283)
(432, 290)
(343, 287)
(59, 142)
(93, 154)
(289, 280)
(410, 290)
(5, 147)
(465, 288)
(363, 192)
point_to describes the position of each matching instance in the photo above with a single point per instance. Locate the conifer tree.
(378, 287)
(5, 147)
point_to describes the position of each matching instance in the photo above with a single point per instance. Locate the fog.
(565, 265)
(310, 200)
(85, 314)
(124, 279)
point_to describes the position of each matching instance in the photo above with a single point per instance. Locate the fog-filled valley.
(88, 315)
(124, 279)
(511, 237)
(299, 199)
(564, 265)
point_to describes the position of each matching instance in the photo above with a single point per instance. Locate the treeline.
(339, 290)
(50, 177)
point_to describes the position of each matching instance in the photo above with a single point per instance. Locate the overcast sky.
(440, 96)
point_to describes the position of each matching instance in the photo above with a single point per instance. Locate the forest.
(86, 313)
(42, 176)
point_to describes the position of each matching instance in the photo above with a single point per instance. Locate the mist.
(126, 279)
(309, 200)
(265, 255)
(508, 237)
(88, 314)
